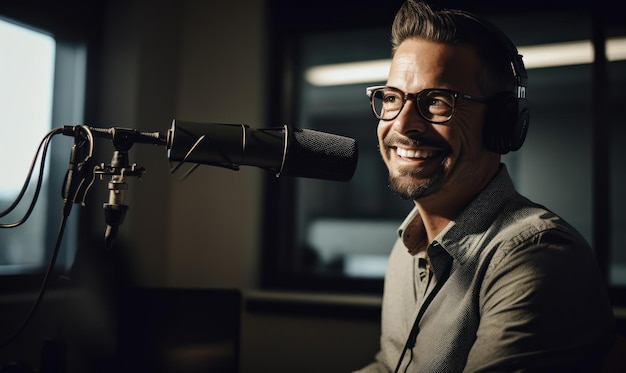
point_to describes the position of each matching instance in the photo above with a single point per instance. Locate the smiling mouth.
(417, 153)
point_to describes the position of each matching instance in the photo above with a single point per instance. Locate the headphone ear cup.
(506, 123)
(521, 125)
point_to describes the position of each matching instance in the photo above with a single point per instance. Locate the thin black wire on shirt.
(411, 339)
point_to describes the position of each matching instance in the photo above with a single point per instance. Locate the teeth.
(409, 153)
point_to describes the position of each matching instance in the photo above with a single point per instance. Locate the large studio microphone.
(284, 150)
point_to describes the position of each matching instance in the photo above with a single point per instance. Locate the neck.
(439, 209)
(435, 219)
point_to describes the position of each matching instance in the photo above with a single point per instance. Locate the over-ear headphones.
(507, 114)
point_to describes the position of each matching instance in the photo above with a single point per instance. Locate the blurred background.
(242, 270)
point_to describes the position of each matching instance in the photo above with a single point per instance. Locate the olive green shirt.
(523, 294)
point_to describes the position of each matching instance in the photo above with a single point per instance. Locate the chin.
(410, 188)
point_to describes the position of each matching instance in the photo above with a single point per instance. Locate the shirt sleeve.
(375, 367)
(540, 308)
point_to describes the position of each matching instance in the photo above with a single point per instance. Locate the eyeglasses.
(435, 105)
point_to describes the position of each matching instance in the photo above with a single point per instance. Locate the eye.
(391, 97)
(439, 103)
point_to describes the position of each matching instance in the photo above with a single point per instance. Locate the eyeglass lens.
(434, 105)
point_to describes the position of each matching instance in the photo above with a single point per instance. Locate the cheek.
(468, 134)
(381, 132)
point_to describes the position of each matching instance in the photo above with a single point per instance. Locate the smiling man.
(480, 278)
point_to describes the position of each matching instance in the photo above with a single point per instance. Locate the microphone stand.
(119, 169)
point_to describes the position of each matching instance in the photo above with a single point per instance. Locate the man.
(481, 279)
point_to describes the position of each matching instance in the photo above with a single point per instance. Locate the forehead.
(419, 64)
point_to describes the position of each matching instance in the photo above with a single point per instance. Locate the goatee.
(408, 186)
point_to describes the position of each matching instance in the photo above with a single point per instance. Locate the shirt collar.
(470, 223)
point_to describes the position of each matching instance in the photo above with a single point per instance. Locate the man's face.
(427, 160)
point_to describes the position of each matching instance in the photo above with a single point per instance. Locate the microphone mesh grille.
(320, 155)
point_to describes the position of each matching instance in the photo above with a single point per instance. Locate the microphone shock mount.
(119, 170)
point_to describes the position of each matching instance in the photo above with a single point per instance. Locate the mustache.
(395, 139)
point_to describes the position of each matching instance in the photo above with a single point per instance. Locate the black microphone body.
(283, 150)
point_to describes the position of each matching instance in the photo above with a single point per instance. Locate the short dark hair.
(416, 19)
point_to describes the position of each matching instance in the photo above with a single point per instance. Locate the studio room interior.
(161, 263)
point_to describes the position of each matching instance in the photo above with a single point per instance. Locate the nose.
(410, 119)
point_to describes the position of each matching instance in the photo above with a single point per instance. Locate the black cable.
(411, 339)
(68, 202)
(45, 142)
(30, 172)
(408, 364)
(44, 284)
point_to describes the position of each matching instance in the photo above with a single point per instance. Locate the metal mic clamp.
(115, 209)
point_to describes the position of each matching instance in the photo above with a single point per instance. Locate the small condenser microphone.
(283, 150)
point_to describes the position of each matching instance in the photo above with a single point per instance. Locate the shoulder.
(526, 230)
(535, 252)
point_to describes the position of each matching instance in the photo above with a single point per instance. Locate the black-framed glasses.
(434, 104)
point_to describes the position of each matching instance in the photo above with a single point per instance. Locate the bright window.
(32, 68)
